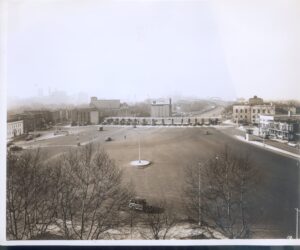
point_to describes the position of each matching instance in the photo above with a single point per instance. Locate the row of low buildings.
(99, 109)
(284, 127)
(94, 113)
(28, 121)
(263, 115)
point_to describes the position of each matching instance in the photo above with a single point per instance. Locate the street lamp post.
(139, 148)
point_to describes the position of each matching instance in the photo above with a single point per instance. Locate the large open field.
(171, 149)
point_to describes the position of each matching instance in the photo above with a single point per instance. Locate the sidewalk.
(270, 147)
(283, 146)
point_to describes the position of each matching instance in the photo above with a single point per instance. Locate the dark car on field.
(138, 204)
(142, 205)
(108, 139)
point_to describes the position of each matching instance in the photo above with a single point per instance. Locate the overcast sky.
(149, 49)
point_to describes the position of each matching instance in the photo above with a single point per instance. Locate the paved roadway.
(172, 149)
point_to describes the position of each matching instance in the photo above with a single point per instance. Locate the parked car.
(142, 205)
(294, 145)
(138, 204)
(29, 138)
(108, 139)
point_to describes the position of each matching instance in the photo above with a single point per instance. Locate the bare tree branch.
(227, 188)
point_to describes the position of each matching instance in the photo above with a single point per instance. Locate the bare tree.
(91, 193)
(30, 200)
(221, 191)
(159, 222)
(82, 192)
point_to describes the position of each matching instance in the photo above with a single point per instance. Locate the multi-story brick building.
(61, 115)
(249, 112)
(33, 119)
(85, 116)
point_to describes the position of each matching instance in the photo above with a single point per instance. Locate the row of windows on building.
(253, 111)
(246, 117)
(16, 125)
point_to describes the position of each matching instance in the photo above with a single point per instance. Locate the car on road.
(29, 138)
(137, 204)
(61, 132)
(294, 145)
(108, 139)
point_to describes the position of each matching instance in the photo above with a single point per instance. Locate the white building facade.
(15, 128)
(161, 109)
(94, 117)
(284, 127)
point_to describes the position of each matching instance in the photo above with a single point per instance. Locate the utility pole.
(297, 209)
(139, 148)
(297, 221)
(199, 194)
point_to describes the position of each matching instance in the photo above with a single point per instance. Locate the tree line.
(83, 193)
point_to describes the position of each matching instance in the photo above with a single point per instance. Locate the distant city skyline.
(138, 50)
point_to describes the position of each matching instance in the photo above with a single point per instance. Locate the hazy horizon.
(58, 98)
(150, 49)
